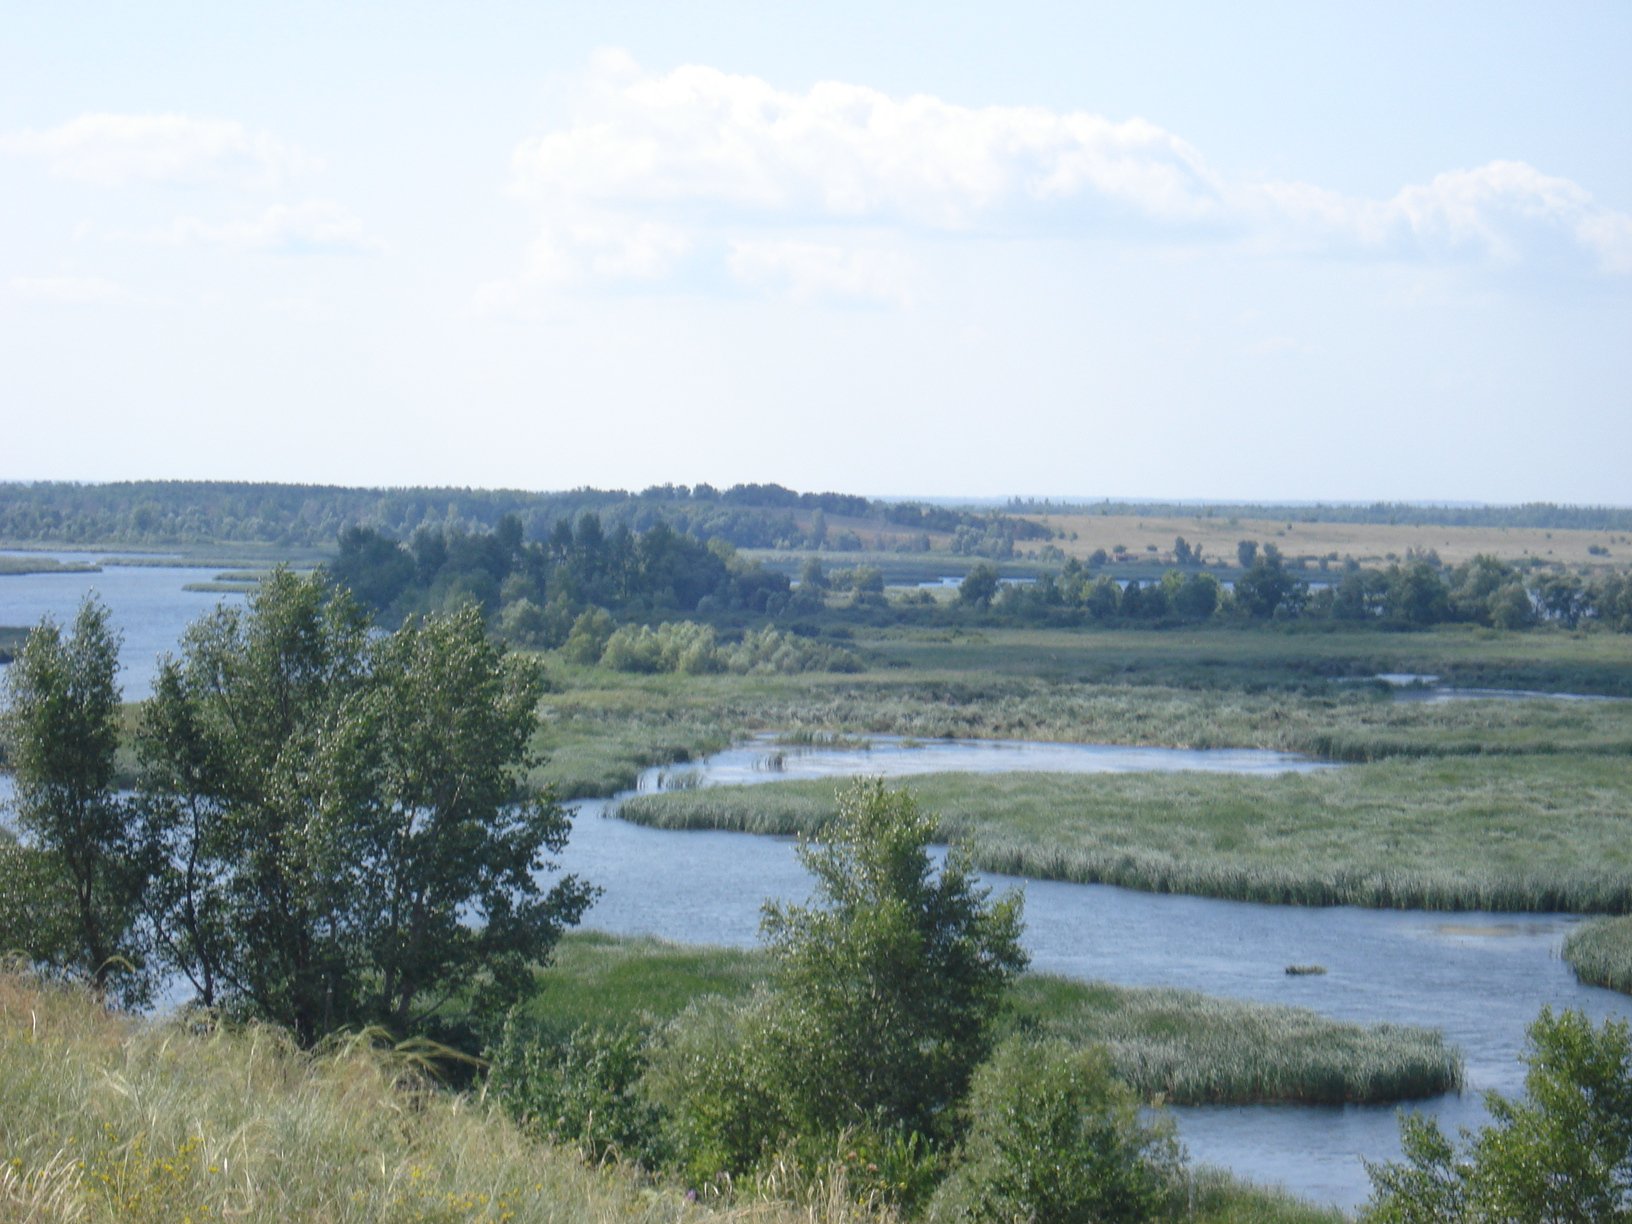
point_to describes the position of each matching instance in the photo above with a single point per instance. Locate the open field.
(1527, 833)
(1601, 953)
(1368, 543)
(1176, 1045)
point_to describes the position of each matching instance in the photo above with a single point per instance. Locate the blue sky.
(1305, 251)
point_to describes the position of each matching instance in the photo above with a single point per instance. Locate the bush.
(1564, 1152)
(1054, 1137)
(707, 1078)
(583, 1091)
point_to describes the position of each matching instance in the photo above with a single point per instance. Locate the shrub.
(583, 1090)
(707, 1078)
(1055, 1137)
(1563, 1152)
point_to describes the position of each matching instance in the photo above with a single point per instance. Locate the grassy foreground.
(106, 1118)
(1601, 953)
(1184, 1047)
(1520, 833)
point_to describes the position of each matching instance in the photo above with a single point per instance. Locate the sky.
(1301, 251)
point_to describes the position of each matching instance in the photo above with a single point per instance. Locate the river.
(1480, 977)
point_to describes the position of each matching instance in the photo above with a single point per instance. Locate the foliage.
(60, 729)
(335, 821)
(1563, 1152)
(885, 992)
(1054, 1136)
(709, 1078)
(583, 1090)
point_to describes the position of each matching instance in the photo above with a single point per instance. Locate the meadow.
(1517, 832)
(1174, 1045)
(1370, 544)
(1305, 692)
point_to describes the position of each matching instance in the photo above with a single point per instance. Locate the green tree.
(60, 730)
(979, 585)
(1055, 1136)
(337, 822)
(1561, 1153)
(884, 993)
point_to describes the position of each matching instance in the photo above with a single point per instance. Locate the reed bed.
(600, 729)
(1177, 1045)
(1537, 834)
(1191, 1049)
(1600, 952)
(105, 1118)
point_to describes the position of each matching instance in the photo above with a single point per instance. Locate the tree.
(337, 821)
(1056, 1136)
(885, 992)
(60, 730)
(1562, 1153)
(979, 585)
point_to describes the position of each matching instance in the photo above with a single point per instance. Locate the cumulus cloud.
(312, 227)
(657, 174)
(110, 150)
(71, 290)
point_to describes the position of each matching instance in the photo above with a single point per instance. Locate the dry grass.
(1368, 543)
(106, 1118)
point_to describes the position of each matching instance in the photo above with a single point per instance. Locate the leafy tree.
(1562, 1153)
(1246, 552)
(336, 821)
(979, 585)
(885, 992)
(1055, 1136)
(60, 731)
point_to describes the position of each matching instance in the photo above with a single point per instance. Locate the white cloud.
(108, 150)
(71, 290)
(659, 174)
(808, 271)
(315, 226)
(706, 139)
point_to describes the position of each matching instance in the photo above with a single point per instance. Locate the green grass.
(44, 565)
(1177, 1045)
(1600, 952)
(600, 728)
(1532, 833)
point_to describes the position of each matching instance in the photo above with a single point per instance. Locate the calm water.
(146, 604)
(1479, 977)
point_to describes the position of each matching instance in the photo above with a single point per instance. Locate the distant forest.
(165, 513)
(158, 513)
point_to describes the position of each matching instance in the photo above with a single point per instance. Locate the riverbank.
(1516, 833)
(1174, 1045)
(1601, 953)
(600, 728)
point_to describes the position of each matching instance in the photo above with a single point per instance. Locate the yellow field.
(1368, 543)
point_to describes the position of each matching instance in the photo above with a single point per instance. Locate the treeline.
(169, 513)
(1418, 593)
(1530, 514)
(537, 588)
